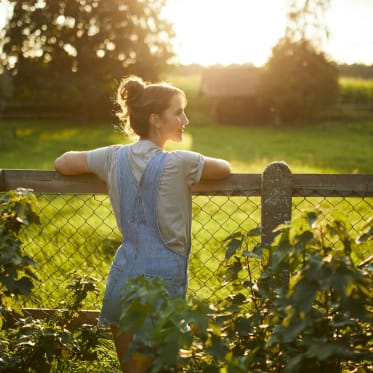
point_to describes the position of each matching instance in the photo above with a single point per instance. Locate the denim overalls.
(142, 252)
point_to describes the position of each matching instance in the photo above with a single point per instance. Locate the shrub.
(17, 210)
(34, 345)
(310, 309)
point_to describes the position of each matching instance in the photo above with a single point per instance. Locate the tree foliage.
(299, 82)
(306, 21)
(76, 50)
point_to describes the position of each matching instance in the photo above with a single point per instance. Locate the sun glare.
(244, 31)
(225, 32)
(351, 26)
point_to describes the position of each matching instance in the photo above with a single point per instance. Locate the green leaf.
(312, 217)
(238, 298)
(232, 246)
(255, 232)
(305, 237)
(294, 363)
(243, 326)
(322, 349)
(217, 348)
(366, 236)
(258, 250)
(24, 285)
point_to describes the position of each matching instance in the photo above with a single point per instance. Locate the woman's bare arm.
(72, 163)
(215, 169)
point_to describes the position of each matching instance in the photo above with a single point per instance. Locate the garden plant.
(310, 309)
(35, 345)
(303, 304)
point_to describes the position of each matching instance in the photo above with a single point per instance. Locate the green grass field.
(330, 147)
(79, 233)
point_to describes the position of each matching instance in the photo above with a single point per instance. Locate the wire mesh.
(78, 234)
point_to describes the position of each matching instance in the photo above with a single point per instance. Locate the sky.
(244, 31)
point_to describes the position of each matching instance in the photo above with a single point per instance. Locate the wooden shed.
(233, 93)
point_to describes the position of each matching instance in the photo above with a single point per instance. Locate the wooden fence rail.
(303, 185)
(276, 187)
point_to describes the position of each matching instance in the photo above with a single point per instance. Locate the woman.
(150, 191)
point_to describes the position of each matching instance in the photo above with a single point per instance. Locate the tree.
(299, 80)
(306, 21)
(76, 50)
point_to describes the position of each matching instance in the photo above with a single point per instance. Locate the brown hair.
(137, 100)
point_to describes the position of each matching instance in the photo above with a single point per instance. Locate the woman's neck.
(155, 138)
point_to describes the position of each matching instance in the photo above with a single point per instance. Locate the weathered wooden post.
(2, 182)
(276, 198)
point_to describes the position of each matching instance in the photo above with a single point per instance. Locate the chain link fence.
(78, 235)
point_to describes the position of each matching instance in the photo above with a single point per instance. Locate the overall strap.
(128, 189)
(139, 202)
(149, 186)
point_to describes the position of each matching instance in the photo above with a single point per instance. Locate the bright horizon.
(210, 32)
(226, 32)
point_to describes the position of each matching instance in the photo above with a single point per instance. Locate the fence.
(78, 229)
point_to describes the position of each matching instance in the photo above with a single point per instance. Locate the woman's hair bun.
(131, 89)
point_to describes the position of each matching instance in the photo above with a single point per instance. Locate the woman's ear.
(154, 120)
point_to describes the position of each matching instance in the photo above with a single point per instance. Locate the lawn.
(79, 231)
(329, 147)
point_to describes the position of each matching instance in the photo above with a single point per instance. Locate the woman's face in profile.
(173, 120)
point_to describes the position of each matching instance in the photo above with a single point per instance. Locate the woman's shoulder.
(107, 148)
(184, 155)
(105, 151)
(187, 160)
(103, 155)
